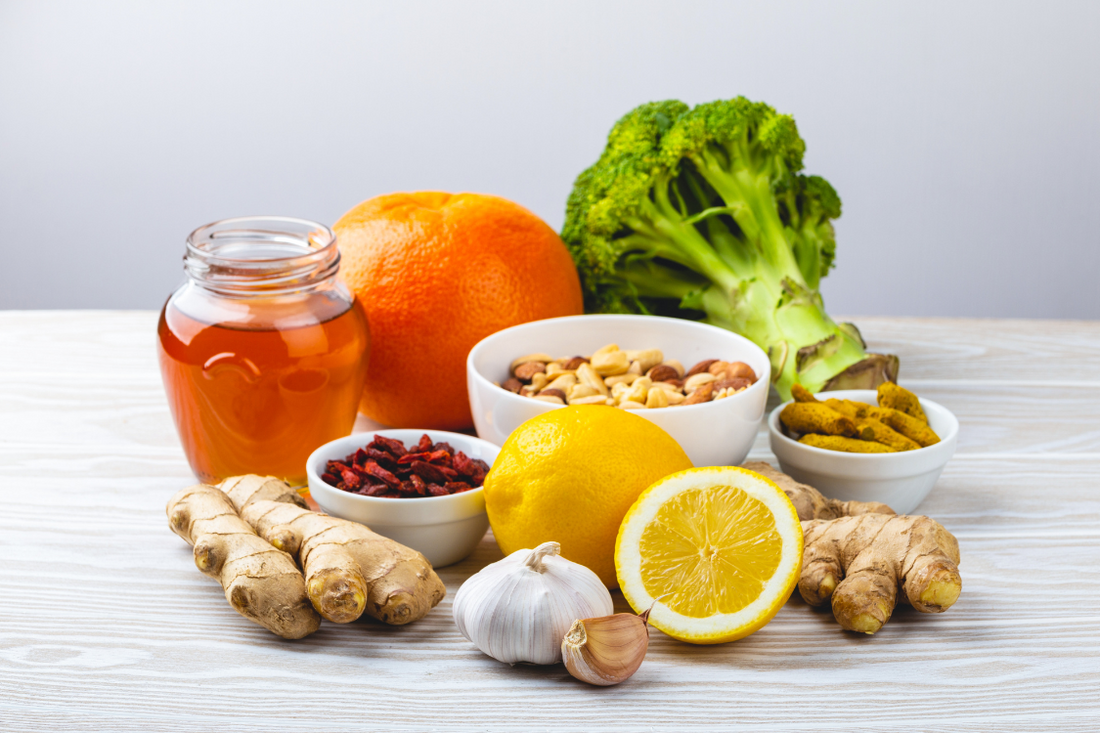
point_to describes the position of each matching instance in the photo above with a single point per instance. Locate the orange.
(436, 273)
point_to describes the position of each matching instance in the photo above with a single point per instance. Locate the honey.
(263, 352)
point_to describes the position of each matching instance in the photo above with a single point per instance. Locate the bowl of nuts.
(706, 386)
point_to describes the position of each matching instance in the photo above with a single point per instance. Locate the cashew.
(695, 381)
(579, 390)
(648, 357)
(588, 375)
(631, 405)
(636, 368)
(544, 358)
(593, 400)
(637, 391)
(610, 348)
(539, 381)
(627, 378)
(656, 398)
(674, 398)
(610, 363)
(668, 387)
(562, 382)
(619, 390)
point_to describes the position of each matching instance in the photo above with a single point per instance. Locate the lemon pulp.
(709, 550)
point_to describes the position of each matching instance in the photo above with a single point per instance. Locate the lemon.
(570, 475)
(719, 549)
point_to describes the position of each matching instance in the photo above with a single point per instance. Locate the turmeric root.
(860, 562)
(261, 582)
(801, 394)
(907, 425)
(857, 554)
(884, 434)
(349, 569)
(900, 399)
(812, 417)
(846, 445)
(811, 503)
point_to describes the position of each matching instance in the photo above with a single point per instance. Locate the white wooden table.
(105, 624)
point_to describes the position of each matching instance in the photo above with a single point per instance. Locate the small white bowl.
(718, 433)
(901, 480)
(444, 528)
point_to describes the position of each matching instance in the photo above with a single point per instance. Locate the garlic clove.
(606, 650)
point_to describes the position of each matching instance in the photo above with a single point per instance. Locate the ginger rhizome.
(261, 583)
(859, 554)
(349, 570)
(860, 562)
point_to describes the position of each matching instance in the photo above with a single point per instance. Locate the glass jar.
(263, 351)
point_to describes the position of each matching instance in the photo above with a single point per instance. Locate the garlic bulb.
(518, 609)
(607, 650)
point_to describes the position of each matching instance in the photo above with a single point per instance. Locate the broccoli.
(703, 213)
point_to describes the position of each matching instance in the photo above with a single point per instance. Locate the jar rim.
(250, 255)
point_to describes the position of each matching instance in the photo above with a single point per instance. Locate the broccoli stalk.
(702, 213)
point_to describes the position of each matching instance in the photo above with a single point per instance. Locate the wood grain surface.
(107, 625)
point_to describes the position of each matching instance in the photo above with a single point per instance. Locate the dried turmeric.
(907, 425)
(900, 399)
(811, 417)
(843, 444)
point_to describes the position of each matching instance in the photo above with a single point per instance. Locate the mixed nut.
(632, 380)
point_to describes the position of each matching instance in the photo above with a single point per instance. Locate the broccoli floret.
(703, 213)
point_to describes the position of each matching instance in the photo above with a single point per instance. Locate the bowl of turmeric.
(887, 445)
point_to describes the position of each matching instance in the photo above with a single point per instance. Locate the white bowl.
(900, 480)
(444, 528)
(718, 433)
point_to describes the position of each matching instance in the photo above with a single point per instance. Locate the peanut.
(631, 405)
(552, 400)
(635, 368)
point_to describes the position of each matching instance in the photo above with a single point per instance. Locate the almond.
(575, 362)
(512, 385)
(702, 394)
(700, 367)
(551, 392)
(544, 358)
(525, 371)
(661, 373)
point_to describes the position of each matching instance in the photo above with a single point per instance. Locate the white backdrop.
(962, 136)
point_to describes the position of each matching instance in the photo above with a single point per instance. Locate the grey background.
(962, 136)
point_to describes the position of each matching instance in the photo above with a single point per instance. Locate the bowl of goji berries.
(421, 488)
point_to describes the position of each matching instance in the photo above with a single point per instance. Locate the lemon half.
(718, 549)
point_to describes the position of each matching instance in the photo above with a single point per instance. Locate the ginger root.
(349, 570)
(858, 554)
(811, 503)
(261, 583)
(859, 563)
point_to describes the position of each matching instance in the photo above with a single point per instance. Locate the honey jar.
(263, 351)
